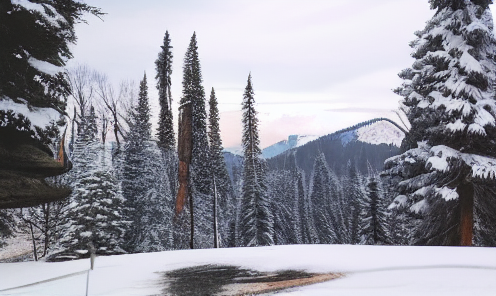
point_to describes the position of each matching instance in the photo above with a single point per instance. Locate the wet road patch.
(232, 280)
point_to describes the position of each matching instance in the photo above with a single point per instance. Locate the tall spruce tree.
(256, 219)
(284, 192)
(305, 219)
(163, 66)
(448, 96)
(323, 201)
(373, 216)
(353, 192)
(195, 177)
(145, 185)
(222, 184)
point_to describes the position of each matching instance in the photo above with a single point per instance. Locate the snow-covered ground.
(16, 247)
(370, 270)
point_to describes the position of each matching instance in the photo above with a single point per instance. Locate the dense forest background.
(135, 189)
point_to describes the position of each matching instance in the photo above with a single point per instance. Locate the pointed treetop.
(193, 40)
(249, 89)
(143, 86)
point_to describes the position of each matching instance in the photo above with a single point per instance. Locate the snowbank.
(371, 270)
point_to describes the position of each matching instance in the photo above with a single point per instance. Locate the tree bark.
(216, 232)
(466, 195)
(35, 252)
(185, 149)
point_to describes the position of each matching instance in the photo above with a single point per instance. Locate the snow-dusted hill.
(369, 270)
(380, 132)
(293, 141)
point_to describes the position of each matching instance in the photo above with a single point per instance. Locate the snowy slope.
(237, 150)
(293, 141)
(370, 270)
(381, 132)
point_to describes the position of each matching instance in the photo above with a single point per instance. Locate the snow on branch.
(45, 67)
(40, 117)
(53, 17)
(481, 166)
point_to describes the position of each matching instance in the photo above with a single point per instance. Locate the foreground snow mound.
(369, 270)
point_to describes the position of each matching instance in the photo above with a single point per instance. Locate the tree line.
(139, 193)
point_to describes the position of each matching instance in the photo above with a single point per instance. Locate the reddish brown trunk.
(185, 149)
(184, 154)
(466, 194)
(182, 193)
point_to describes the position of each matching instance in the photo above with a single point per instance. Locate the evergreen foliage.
(256, 219)
(223, 189)
(324, 202)
(163, 66)
(373, 214)
(145, 184)
(305, 223)
(194, 93)
(353, 192)
(283, 206)
(200, 177)
(94, 215)
(36, 38)
(448, 96)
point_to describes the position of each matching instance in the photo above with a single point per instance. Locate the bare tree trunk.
(216, 232)
(466, 194)
(185, 147)
(35, 253)
(46, 228)
(73, 134)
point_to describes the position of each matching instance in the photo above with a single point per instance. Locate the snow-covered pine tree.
(353, 191)
(223, 193)
(163, 66)
(324, 201)
(145, 184)
(94, 214)
(281, 187)
(373, 215)
(165, 131)
(198, 178)
(156, 204)
(193, 90)
(133, 173)
(36, 36)
(305, 219)
(256, 219)
(449, 99)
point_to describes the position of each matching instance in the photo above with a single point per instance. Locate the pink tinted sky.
(317, 66)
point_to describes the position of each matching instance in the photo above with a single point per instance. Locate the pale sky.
(317, 65)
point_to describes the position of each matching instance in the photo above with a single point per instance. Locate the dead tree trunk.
(35, 250)
(466, 195)
(185, 147)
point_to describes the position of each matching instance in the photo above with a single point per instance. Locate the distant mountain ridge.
(376, 131)
(293, 141)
